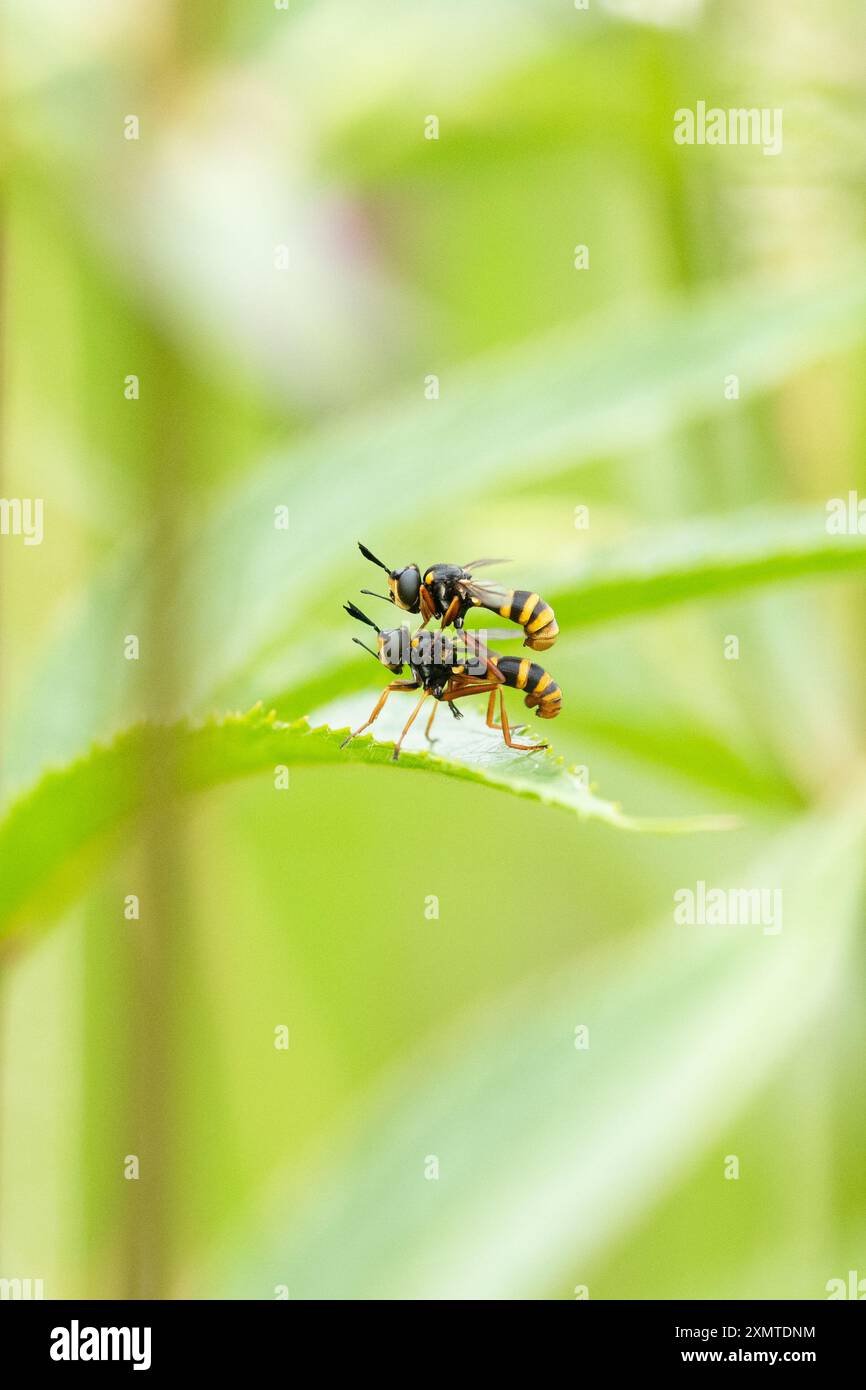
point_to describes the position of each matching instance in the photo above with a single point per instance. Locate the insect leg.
(430, 721)
(395, 755)
(425, 605)
(491, 710)
(389, 689)
(451, 612)
(491, 721)
(455, 691)
(506, 731)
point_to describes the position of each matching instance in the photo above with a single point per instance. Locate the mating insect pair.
(450, 671)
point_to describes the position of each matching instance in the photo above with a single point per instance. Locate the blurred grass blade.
(49, 837)
(583, 392)
(547, 1154)
(706, 558)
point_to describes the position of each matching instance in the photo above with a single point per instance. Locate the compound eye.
(408, 587)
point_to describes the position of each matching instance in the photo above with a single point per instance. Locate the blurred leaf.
(691, 750)
(704, 558)
(549, 1153)
(68, 813)
(582, 392)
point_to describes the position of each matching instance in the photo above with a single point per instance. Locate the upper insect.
(404, 584)
(449, 591)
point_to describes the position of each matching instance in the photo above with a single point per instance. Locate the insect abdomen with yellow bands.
(535, 617)
(542, 693)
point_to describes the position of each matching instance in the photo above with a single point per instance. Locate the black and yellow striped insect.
(450, 671)
(449, 591)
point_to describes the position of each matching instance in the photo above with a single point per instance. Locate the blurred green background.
(270, 136)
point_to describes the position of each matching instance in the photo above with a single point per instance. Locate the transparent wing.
(489, 595)
(479, 564)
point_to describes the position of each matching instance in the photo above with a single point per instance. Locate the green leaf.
(49, 838)
(469, 750)
(548, 1153)
(706, 559)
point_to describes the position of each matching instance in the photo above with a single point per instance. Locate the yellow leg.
(379, 706)
(450, 613)
(459, 688)
(430, 720)
(506, 731)
(491, 722)
(395, 755)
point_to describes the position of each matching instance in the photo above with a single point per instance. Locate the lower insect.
(448, 671)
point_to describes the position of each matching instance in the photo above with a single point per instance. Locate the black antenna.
(366, 648)
(389, 598)
(368, 555)
(354, 612)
